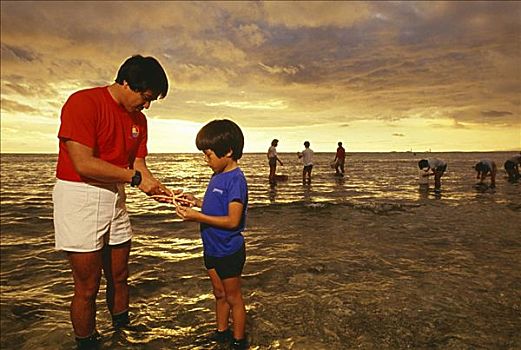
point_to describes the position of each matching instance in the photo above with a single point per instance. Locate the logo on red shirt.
(135, 131)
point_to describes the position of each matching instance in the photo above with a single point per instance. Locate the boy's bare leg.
(232, 287)
(222, 308)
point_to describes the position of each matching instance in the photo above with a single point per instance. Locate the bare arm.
(430, 172)
(230, 221)
(87, 165)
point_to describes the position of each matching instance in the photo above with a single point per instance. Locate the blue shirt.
(223, 189)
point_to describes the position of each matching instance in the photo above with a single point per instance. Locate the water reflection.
(423, 191)
(339, 180)
(272, 192)
(307, 190)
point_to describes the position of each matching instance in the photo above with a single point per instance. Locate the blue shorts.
(227, 266)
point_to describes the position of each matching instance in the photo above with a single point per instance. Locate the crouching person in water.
(222, 218)
(434, 167)
(512, 168)
(484, 168)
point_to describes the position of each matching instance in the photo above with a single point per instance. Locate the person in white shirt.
(484, 168)
(307, 160)
(434, 167)
(273, 159)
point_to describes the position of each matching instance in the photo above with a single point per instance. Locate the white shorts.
(88, 216)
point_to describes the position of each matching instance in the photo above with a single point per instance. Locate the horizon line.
(316, 152)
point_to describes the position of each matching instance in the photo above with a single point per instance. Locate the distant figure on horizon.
(436, 167)
(484, 168)
(340, 159)
(273, 159)
(307, 160)
(512, 167)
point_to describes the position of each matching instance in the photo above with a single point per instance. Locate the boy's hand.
(185, 213)
(188, 200)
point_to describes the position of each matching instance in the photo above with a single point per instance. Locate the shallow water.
(367, 261)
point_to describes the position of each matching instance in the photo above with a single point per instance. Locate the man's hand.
(151, 186)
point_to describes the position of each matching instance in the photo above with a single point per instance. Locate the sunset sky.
(379, 76)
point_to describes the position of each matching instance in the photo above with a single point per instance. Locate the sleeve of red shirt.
(78, 120)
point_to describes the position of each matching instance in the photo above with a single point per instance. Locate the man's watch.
(136, 179)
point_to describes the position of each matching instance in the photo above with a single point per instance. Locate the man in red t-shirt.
(340, 158)
(102, 147)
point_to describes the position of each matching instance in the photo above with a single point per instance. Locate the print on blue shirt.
(223, 189)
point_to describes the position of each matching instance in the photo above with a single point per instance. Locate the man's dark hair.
(221, 136)
(306, 144)
(424, 163)
(142, 74)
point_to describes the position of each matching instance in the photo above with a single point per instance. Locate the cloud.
(315, 14)
(250, 35)
(11, 52)
(495, 114)
(288, 64)
(13, 106)
(255, 105)
(291, 70)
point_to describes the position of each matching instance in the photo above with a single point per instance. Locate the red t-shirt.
(340, 153)
(94, 119)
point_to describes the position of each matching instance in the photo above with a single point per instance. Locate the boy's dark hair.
(424, 163)
(340, 144)
(306, 144)
(221, 136)
(274, 142)
(142, 74)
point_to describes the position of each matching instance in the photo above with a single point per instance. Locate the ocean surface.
(368, 261)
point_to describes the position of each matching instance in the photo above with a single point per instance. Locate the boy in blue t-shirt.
(222, 218)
